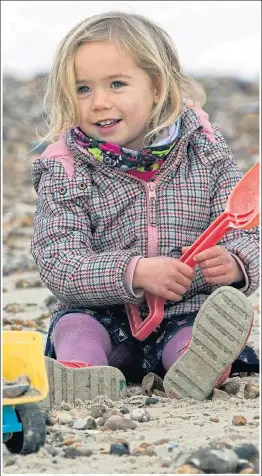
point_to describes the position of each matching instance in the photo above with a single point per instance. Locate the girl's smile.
(116, 97)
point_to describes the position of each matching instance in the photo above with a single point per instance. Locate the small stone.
(247, 451)
(220, 444)
(152, 382)
(124, 410)
(171, 446)
(214, 419)
(103, 400)
(64, 418)
(239, 420)
(96, 411)
(151, 400)
(166, 462)
(110, 413)
(120, 448)
(163, 441)
(145, 449)
(187, 469)
(251, 390)
(65, 406)
(119, 423)
(231, 387)
(15, 388)
(88, 423)
(70, 441)
(49, 421)
(72, 452)
(133, 390)
(219, 395)
(86, 452)
(214, 460)
(140, 414)
(244, 464)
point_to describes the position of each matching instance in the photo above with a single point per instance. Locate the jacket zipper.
(152, 230)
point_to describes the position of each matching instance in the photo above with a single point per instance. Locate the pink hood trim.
(60, 152)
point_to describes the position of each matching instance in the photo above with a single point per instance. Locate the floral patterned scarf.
(147, 159)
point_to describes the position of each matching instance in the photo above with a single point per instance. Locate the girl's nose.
(100, 100)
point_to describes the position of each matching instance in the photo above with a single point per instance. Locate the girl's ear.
(156, 91)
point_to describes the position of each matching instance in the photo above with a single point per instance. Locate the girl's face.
(115, 96)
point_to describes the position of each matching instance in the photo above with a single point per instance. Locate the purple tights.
(80, 338)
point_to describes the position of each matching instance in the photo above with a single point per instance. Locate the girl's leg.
(81, 371)
(220, 332)
(80, 338)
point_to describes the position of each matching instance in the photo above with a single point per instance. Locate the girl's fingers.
(213, 262)
(215, 271)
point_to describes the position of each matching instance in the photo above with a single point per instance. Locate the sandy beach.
(173, 428)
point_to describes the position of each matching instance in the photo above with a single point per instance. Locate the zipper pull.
(152, 203)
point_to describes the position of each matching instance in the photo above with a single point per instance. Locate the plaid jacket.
(91, 220)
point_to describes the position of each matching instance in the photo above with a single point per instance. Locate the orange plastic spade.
(242, 212)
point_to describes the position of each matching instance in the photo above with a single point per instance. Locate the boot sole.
(220, 331)
(68, 384)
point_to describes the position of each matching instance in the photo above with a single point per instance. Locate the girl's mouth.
(108, 125)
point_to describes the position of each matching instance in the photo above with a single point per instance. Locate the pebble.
(172, 445)
(120, 448)
(17, 387)
(110, 413)
(145, 449)
(137, 400)
(244, 464)
(64, 418)
(65, 406)
(152, 382)
(124, 410)
(151, 400)
(73, 452)
(96, 411)
(88, 423)
(251, 390)
(214, 419)
(187, 469)
(140, 414)
(49, 421)
(119, 423)
(247, 451)
(71, 441)
(239, 420)
(231, 387)
(214, 460)
(24, 283)
(133, 390)
(104, 400)
(219, 395)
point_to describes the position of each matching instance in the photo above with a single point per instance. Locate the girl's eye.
(117, 84)
(83, 90)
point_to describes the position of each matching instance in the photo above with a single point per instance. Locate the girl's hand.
(163, 276)
(218, 266)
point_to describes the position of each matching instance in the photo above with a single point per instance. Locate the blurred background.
(218, 43)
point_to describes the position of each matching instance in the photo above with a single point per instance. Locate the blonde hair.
(151, 48)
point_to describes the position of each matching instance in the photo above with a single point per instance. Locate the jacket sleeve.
(242, 244)
(61, 248)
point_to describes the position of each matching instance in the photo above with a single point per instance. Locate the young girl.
(134, 178)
